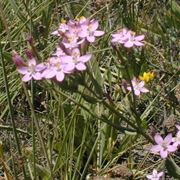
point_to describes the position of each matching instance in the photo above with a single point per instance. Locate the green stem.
(38, 129)
(10, 107)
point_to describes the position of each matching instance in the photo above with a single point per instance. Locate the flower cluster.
(127, 38)
(167, 145)
(138, 87)
(75, 36)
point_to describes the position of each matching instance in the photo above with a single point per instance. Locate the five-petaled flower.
(138, 87)
(32, 70)
(155, 175)
(164, 146)
(127, 38)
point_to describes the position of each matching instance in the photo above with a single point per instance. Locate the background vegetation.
(88, 126)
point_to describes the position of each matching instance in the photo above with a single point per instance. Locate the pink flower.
(138, 87)
(164, 146)
(76, 61)
(127, 38)
(71, 40)
(32, 70)
(176, 139)
(133, 40)
(89, 30)
(63, 27)
(155, 175)
(120, 37)
(56, 68)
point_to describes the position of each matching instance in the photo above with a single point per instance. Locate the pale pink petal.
(128, 44)
(49, 73)
(55, 33)
(168, 138)
(160, 174)
(149, 176)
(172, 148)
(98, 33)
(85, 58)
(37, 76)
(137, 43)
(154, 172)
(26, 77)
(32, 62)
(163, 153)
(93, 25)
(22, 69)
(40, 67)
(80, 66)
(129, 88)
(69, 67)
(83, 33)
(158, 139)
(137, 92)
(91, 38)
(60, 76)
(178, 127)
(141, 84)
(66, 59)
(139, 38)
(144, 90)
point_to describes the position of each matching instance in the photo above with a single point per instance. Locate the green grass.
(88, 125)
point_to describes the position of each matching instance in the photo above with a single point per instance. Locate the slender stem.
(33, 131)
(10, 107)
(38, 128)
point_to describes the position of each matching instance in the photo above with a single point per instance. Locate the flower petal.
(85, 58)
(22, 69)
(80, 66)
(128, 44)
(98, 33)
(37, 76)
(168, 138)
(158, 139)
(91, 38)
(60, 76)
(139, 38)
(27, 77)
(155, 149)
(163, 153)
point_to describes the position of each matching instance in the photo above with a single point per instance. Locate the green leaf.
(173, 168)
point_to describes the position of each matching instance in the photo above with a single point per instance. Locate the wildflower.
(128, 38)
(147, 76)
(133, 40)
(138, 87)
(71, 40)
(89, 30)
(120, 37)
(76, 61)
(56, 68)
(163, 146)
(32, 70)
(155, 175)
(63, 27)
(176, 139)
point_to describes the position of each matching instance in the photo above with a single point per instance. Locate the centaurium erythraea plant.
(67, 58)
